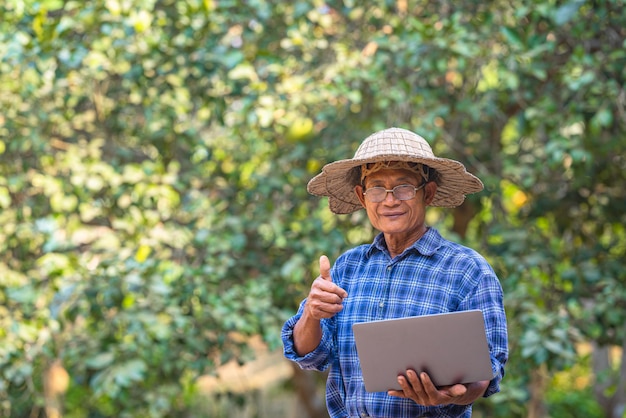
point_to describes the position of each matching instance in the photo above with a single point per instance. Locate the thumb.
(325, 268)
(458, 390)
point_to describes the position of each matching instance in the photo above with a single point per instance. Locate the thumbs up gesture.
(325, 297)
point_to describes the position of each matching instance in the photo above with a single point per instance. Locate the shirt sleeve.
(488, 297)
(318, 359)
(491, 297)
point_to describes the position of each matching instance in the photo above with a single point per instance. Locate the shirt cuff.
(494, 384)
(318, 359)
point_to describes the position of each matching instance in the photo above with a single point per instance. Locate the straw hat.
(337, 180)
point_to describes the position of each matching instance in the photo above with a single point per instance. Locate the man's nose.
(390, 197)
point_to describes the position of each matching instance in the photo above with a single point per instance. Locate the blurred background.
(155, 229)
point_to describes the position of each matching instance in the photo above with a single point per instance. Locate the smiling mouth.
(393, 215)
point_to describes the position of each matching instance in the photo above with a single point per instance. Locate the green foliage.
(575, 404)
(570, 395)
(154, 160)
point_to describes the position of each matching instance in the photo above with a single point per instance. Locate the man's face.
(394, 216)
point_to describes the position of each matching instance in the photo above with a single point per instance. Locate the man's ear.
(429, 192)
(358, 189)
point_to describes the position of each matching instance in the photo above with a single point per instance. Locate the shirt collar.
(427, 245)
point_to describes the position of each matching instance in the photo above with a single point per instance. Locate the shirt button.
(381, 305)
(364, 414)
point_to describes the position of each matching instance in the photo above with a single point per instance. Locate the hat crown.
(394, 142)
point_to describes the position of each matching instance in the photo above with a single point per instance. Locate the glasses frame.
(392, 191)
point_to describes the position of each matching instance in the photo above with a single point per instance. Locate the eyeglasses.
(401, 192)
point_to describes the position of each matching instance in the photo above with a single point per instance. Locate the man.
(408, 270)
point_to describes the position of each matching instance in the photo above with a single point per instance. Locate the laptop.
(451, 347)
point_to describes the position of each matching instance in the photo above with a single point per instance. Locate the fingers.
(325, 292)
(322, 301)
(412, 388)
(416, 385)
(325, 298)
(457, 391)
(329, 286)
(325, 268)
(420, 388)
(397, 393)
(452, 392)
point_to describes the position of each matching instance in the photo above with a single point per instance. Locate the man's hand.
(421, 389)
(325, 298)
(324, 301)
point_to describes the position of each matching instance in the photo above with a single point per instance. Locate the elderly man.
(408, 270)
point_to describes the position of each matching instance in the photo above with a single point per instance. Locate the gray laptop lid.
(450, 347)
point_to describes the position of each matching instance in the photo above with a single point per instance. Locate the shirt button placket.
(381, 304)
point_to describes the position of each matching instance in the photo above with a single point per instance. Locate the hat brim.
(453, 181)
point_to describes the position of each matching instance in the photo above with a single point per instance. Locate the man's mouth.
(393, 215)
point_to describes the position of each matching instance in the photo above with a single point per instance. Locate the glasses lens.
(376, 194)
(404, 192)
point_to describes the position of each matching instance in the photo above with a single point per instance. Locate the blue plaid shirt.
(434, 275)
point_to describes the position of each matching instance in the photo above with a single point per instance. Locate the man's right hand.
(324, 301)
(325, 297)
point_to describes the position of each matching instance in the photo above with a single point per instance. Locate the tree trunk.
(614, 406)
(311, 397)
(538, 382)
(56, 381)
(619, 404)
(462, 215)
(600, 364)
